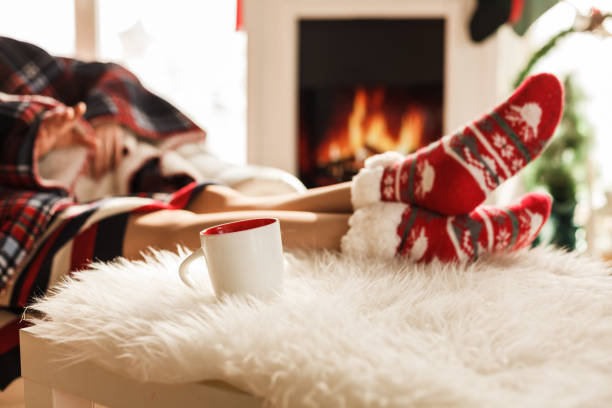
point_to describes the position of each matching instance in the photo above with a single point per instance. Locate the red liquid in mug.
(238, 226)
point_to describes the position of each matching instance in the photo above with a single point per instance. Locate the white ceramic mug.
(243, 257)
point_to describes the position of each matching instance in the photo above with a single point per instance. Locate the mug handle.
(184, 267)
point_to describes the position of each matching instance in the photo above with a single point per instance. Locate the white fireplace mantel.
(476, 76)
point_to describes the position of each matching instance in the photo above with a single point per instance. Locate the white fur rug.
(530, 329)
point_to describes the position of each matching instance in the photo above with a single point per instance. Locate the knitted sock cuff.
(366, 184)
(373, 230)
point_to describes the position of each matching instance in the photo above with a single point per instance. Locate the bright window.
(589, 57)
(48, 24)
(186, 51)
(189, 53)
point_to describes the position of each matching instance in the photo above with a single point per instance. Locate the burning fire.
(367, 130)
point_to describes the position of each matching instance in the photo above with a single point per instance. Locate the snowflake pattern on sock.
(425, 235)
(527, 117)
(455, 174)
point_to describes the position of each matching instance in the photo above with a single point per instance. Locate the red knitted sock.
(455, 174)
(387, 229)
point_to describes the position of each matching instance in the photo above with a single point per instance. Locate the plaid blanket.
(36, 214)
(77, 235)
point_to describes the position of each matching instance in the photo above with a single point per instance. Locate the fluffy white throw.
(529, 329)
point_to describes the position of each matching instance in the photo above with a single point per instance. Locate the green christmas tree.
(562, 169)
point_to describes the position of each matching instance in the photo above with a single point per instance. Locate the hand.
(63, 126)
(109, 152)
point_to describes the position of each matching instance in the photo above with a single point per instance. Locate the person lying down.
(423, 207)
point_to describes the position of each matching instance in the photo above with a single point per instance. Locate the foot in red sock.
(455, 174)
(389, 229)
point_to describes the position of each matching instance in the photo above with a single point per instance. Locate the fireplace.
(366, 86)
(330, 82)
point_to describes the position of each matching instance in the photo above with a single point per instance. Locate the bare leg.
(165, 229)
(330, 199)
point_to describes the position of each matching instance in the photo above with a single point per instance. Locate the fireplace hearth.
(366, 86)
(330, 82)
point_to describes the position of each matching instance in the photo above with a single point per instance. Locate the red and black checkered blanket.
(29, 205)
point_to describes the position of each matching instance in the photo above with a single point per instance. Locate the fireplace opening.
(366, 86)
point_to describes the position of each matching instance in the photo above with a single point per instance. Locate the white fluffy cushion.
(529, 329)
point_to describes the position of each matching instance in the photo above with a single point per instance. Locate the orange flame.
(367, 130)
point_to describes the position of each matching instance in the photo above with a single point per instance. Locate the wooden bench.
(52, 383)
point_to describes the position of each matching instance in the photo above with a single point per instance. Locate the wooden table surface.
(50, 383)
